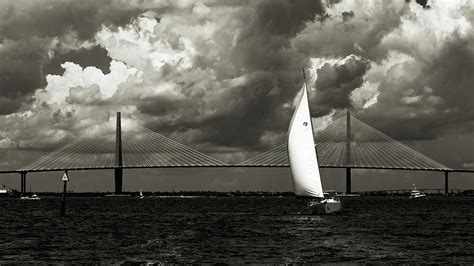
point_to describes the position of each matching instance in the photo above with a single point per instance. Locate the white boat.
(141, 194)
(304, 162)
(415, 194)
(32, 197)
(4, 191)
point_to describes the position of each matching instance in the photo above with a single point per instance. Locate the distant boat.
(4, 191)
(415, 194)
(141, 194)
(32, 197)
(347, 195)
(304, 162)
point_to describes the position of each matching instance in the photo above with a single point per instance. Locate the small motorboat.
(415, 194)
(4, 191)
(32, 197)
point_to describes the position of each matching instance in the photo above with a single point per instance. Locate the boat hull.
(4, 192)
(325, 207)
(29, 198)
(418, 196)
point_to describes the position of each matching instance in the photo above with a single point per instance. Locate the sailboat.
(141, 194)
(304, 162)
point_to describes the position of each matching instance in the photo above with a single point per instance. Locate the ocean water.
(236, 230)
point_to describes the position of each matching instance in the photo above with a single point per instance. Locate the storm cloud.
(37, 37)
(335, 84)
(222, 76)
(21, 70)
(93, 56)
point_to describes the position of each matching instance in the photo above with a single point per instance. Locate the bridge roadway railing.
(232, 165)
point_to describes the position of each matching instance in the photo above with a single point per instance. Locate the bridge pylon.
(23, 183)
(118, 156)
(446, 184)
(348, 153)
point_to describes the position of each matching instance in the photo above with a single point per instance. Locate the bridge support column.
(348, 153)
(118, 156)
(348, 180)
(23, 183)
(118, 180)
(446, 183)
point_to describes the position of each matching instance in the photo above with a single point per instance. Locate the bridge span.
(346, 143)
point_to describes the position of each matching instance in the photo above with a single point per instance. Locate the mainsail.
(301, 151)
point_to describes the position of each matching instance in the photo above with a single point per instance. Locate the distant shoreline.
(229, 194)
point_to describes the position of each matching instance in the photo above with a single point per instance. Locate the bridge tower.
(118, 156)
(23, 183)
(446, 182)
(348, 153)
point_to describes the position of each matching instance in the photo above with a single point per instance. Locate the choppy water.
(236, 230)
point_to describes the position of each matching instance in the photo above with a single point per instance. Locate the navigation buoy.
(65, 178)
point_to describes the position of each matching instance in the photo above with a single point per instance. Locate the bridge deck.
(235, 165)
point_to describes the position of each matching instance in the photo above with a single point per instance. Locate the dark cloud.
(260, 61)
(426, 99)
(8, 106)
(237, 89)
(27, 29)
(347, 15)
(95, 56)
(162, 105)
(23, 19)
(246, 110)
(284, 17)
(360, 35)
(423, 3)
(451, 73)
(335, 84)
(21, 69)
(235, 117)
(265, 43)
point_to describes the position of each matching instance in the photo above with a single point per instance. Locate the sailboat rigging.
(304, 162)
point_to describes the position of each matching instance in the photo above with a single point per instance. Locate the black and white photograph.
(236, 132)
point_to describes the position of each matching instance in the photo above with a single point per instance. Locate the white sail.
(301, 151)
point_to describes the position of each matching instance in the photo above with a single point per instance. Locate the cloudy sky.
(221, 76)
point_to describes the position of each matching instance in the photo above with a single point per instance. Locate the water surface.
(236, 230)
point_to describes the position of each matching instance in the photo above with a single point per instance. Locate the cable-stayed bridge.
(350, 143)
(345, 143)
(362, 147)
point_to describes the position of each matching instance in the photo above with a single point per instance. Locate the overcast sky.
(221, 77)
